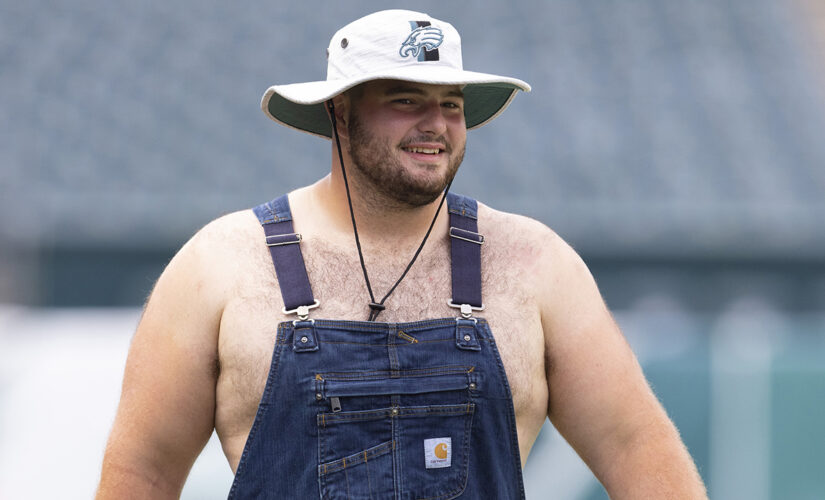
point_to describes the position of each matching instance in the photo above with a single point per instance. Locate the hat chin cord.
(376, 307)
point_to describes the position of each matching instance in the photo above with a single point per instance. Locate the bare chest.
(250, 320)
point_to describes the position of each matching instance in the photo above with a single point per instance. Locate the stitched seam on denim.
(370, 327)
(397, 466)
(367, 344)
(410, 411)
(378, 326)
(413, 373)
(276, 220)
(464, 470)
(245, 454)
(346, 478)
(516, 453)
(356, 458)
(260, 413)
(392, 353)
(321, 477)
(268, 207)
(444, 412)
(470, 330)
(367, 467)
(309, 332)
(400, 344)
(464, 212)
(338, 417)
(394, 392)
(287, 215)
(344, 342)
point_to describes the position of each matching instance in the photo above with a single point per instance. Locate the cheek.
(458, 128)
(459, 135)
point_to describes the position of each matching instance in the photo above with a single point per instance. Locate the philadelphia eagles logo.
(426, 37)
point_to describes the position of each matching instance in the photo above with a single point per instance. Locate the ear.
(340, 106)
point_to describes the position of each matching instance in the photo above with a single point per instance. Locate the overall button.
(318, 396)
(394, 412)
(466, 338)
(304, 339)
(472, 385)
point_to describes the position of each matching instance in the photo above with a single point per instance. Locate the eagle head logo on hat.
(424, 37)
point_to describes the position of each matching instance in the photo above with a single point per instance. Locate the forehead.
(377, 88)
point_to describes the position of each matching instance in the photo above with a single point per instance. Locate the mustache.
(425, 138)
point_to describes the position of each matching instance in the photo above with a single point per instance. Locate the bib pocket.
(406, 432)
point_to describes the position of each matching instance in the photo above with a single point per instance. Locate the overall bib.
(370, 410)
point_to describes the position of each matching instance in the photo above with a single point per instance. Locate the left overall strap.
(284, 247)
(465, 253)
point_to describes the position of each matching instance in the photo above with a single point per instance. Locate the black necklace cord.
(417, 252)
(331, 107)
(377, 307)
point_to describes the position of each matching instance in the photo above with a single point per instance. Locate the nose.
(433, 120)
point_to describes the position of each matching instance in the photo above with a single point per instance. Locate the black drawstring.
(376, 307)
(349, 200)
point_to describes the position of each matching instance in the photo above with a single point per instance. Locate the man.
(440, 394)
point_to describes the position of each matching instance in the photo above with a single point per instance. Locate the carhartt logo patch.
(438, 453)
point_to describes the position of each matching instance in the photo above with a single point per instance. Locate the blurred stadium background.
(677, 145)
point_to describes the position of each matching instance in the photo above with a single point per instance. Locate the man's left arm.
(600, 400)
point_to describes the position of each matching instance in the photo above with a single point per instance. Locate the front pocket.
(433, 450)
(363, 475)
(425, 414)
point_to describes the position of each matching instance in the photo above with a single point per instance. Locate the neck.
(380, 220)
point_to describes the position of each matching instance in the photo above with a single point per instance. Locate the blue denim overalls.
(369, 410)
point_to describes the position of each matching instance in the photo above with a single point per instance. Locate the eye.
(452, 105)
(403, 101)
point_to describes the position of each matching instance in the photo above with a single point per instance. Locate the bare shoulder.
(222, 245)
(526, 242)
(520, 224)
(227, 233)
(546, 271)
(198, 282)
(557, 279)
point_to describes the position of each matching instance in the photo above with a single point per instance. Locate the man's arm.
(599, 398)
(167, 404)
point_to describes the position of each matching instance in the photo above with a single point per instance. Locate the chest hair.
(338, 283)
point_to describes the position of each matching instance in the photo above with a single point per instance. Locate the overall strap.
(284, 247)
(465, 253)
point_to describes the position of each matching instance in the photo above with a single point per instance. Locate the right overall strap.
(284, 247)
(465, 254)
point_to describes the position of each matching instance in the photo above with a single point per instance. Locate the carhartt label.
(438, 453)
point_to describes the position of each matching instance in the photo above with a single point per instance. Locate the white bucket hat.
(392, 45)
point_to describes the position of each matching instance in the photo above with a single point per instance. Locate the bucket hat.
(393, 45)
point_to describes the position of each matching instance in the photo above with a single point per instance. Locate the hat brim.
(301, 105)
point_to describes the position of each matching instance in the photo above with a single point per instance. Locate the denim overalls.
(369, 410)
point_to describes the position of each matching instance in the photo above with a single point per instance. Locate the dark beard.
(376, 163)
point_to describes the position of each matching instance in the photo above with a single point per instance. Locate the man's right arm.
(167, 405)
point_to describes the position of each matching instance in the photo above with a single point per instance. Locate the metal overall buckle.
(466, 309)
(302, 311)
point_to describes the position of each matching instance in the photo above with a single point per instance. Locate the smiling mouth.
(428, 151)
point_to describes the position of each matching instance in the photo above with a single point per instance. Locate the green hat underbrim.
(482, 103)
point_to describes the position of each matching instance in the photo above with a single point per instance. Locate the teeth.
(423, 150)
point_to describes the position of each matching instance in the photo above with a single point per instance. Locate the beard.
(378, 163)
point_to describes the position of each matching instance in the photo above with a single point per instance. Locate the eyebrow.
(404, 89)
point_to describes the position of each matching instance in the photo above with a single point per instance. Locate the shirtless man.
(202, 357)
